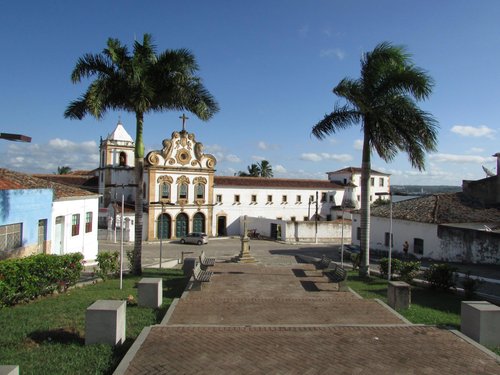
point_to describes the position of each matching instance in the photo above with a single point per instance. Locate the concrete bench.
(9, 370)
(150, 292)
(480, 320)
(398, 295)
(105, 322)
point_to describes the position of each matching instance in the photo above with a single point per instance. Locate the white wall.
(263, 209)
(85, 243)
(402, 230)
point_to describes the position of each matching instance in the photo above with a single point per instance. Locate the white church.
(182, 194)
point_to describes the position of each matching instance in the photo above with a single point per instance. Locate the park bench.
(335, 273)
(205, 261)
(323, 263)
(201, 275)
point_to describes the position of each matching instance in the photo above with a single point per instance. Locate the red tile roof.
(25, 181)
(440, 209)
(261, 182)
(358, 171)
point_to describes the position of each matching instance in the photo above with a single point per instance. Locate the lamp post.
(316, 221)
(163, 204)
(390, 233)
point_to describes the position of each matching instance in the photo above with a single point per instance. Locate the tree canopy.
(140, 82)
(383, 102)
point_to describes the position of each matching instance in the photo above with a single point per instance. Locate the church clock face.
(183, 156)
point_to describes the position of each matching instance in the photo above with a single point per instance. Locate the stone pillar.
(480, 320)
(105, 322)
(398, 295)
(245, 256)
(150, 292)
(9, 370)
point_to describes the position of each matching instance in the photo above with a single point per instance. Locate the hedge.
(27, 278)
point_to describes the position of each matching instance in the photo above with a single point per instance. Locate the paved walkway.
(258, 319)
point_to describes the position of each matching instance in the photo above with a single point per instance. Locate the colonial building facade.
(182, 193)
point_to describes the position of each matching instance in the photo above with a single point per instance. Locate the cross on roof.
(184, 118)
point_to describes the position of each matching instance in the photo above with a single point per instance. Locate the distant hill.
(424, 189)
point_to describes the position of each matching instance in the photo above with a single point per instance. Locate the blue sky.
(270, 64)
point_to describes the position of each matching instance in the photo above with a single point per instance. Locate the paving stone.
(308, 350)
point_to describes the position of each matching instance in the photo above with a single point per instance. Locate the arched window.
(123, 159)
(200, 191)
(183, 191)
(165, 191)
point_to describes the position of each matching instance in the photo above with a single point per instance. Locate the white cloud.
(279, 169)
(232, 158)
(332, 52)
(471, 131)
(45, 158)
(358, 144)
(325, 156)
(452, 158)
(263, 145)
(476, 150)
(258, 158)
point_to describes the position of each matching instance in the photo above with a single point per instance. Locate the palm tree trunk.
(364, 266)
(139, 180)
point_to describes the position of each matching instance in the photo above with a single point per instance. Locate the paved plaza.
(281, 317)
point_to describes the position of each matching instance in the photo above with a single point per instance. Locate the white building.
(182, 193)
(446, 227)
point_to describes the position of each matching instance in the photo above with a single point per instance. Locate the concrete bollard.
(150, 292)
(399, 295)
(480, 320)
(105, 322)
(188, 266)
(9, 370)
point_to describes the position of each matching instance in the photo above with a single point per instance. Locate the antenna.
(488, 172)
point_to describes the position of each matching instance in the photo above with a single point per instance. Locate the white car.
(197, 238)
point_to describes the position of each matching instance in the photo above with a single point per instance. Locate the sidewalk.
(262, 319)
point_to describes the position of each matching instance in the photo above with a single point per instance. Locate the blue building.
(25, 217)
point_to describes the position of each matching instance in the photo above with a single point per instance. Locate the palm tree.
(63, 170)
(265, 169)
(140, 83)
(253, 171)
(384, 102)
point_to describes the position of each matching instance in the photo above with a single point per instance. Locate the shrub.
(441, 276)
(404, 270)
(396, 265)
(108, 265)
(37, 275)
(470, 285)
(409, 270)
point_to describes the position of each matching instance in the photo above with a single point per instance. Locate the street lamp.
(15, 137)
(161, 228)
(390, 233)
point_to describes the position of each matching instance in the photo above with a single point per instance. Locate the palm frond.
(89, 65)
(342, 117)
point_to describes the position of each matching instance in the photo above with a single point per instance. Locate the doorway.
(221, 226)
(181, 225)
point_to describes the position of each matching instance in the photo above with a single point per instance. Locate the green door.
(181, 225)
(164, 224)
(199, 222)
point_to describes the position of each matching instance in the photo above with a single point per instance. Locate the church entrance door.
(164, 225)
(221, 226)
(181, 225)
(199, 222)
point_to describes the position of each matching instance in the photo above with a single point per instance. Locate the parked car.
(197, 238)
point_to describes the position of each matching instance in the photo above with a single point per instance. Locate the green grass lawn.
(427, 306)
(47, 336)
